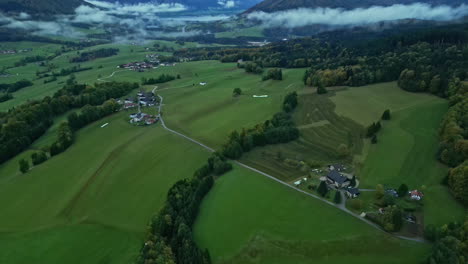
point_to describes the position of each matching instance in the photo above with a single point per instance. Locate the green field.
(209, 113)
(101, 67)
(248, 218)
(94, 200)
(241, 32)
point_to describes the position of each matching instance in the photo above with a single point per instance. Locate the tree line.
(163, 78)
(453, 147)
(95, 54)
(170, 237)
(13, 87)
(450, 242)
(22, 125)
(279, 129)
(66, 132)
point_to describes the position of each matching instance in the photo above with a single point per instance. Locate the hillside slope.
(40, 6)
(278, 5)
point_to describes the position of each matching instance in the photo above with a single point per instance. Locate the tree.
(458, 182)
(38, 157)
(379, 191)
(322, 189)
(24, 165)
(402, 190)
(337, 198)
(386, 115)
(237, 92)
(321, 88)
(353, 181)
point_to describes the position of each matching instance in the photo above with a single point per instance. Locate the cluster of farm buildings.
(142, 99)
(151, 62)
(12, 51)
(336, 178)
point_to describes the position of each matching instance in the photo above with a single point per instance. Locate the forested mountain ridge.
(41, 6)
(199, 4)
(279, 5)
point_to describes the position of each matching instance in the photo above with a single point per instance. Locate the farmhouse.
(352, 192)
(337, 179)
(137, 66)
(416, 195)
(129, 105)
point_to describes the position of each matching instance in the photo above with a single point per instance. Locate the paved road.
(341, 206)
(367, 190)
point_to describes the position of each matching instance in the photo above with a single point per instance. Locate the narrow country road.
(341, 206)
(103, 79)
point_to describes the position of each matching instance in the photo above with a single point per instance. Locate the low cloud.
(133, 23)
(360, 16)
(140, 8)
(227, 3)
(39, 27)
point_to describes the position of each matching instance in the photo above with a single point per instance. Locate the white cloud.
(360, 16)
(24, 15)
(142, 8)
(227, 3)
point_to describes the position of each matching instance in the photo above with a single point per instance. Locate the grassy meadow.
(248, 218)
(96, 198)
(102, 67)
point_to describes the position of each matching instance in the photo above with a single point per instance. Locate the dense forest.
(24, 124)
(95, 54)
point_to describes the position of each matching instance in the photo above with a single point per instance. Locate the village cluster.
(152, 61)
(12, 51)
(143, 99)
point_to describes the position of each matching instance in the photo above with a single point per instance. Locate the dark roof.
(353, 191)
(337, 177)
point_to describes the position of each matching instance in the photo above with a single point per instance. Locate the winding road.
(111, 75)
(341, 206)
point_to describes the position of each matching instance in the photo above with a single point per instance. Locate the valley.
(205, 132)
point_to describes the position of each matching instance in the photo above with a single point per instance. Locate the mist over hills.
(280, 5)
(199, 4)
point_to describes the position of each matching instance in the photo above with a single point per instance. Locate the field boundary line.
(340, 207)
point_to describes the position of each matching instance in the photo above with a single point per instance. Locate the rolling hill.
(279, 5)
(40, 6)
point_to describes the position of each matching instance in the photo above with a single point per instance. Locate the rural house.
(337, 179)
(352, 192)
(416, 195)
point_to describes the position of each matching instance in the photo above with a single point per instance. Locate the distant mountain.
(40, 6)
(200, 4)
(270, 6)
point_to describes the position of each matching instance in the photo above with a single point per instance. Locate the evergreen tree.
(353, 181)
(337, 198)
(402, 190)
(322, 189)
(386, 115)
